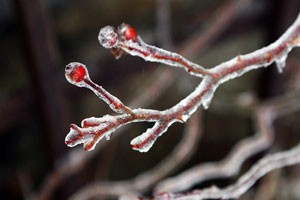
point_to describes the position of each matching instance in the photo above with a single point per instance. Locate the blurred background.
(39, 37)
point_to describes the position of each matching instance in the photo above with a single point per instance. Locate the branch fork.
(125, 39)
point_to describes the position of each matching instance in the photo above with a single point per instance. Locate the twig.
(144, 181)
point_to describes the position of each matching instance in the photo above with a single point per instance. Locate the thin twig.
(144, 181)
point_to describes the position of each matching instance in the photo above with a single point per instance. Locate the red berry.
(78, 74)
(130, 33)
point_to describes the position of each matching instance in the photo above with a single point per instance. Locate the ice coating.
(94, 121)
(183, 118)
(127, 32)
(202, 95)
(275, 52)
(145, 141)
(154, 54)
(76, 73)
(230, 65)
(76, 136)
(108, 37)
(89, 136)
(126, 39)
(113, 102)
(281, 62)
(108, 135)
(207, 98)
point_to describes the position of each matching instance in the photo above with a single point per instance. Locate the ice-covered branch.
(142, 182)
(77, 74)
(126, 39)
(147, 93)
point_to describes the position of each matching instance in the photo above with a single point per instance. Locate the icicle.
(183, 118)
(208, 98)
(281, 62)
(108, 135)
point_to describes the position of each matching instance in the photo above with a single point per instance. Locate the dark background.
(39, 37)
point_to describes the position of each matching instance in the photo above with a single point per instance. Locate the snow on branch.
(125, 39)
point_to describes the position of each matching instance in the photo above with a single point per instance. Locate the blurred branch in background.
(42, 58)
(163, 23)
(265, 115)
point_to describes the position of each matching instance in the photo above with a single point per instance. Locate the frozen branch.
(125, 39)
(145, 180)
(161, 79)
